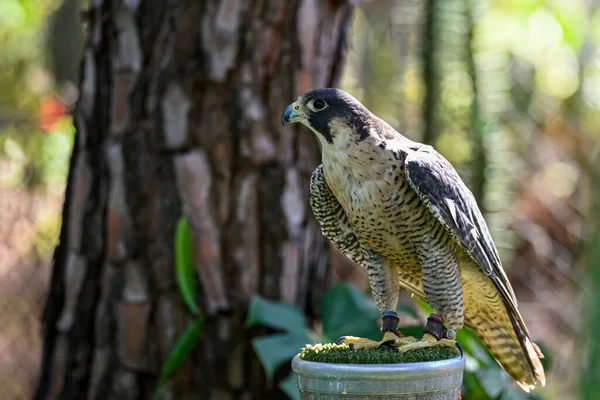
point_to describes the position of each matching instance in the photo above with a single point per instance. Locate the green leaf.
(184, 265)
(548, 359)
(423, 305)
(277, 315)
(494, 380)
(183, 348)
(471, 387)
(513, 393)
(288, 385)
(473, 346)
(348, 311)
(275, 350)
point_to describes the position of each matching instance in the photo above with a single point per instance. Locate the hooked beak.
(291, 114)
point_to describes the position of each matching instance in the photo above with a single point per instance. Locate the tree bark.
(179, 114)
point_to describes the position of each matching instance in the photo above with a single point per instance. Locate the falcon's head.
(338, 119)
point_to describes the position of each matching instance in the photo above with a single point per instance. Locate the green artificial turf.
(341, 354)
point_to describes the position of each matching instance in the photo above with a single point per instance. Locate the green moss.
(341, 354)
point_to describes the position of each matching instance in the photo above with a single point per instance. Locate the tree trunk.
(179, 114)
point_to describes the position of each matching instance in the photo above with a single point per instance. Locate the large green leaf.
(184, 265)
(348, 311)
(494, 380)
(277, 315)
(288, 385)
(275, 350)
(513, 393)
(471, 387)
(184, 346)
(472, 345)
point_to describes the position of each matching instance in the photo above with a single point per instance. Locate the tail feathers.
(534, 354)
(531, 351)
(537, 350)
(495, 318)
(513, 350)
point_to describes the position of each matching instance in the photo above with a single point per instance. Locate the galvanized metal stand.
(437, 380)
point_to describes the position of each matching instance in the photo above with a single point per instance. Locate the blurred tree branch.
(431, 76)
(479, 158)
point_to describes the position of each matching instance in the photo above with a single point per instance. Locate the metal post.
(436, 380)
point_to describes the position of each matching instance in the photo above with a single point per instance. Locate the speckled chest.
(385, 212)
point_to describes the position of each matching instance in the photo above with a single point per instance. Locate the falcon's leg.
(385, 287)
(443, 290)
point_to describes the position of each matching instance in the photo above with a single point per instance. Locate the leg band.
(435, 326)
(390, 321)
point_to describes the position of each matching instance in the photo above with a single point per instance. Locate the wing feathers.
(440, 188)
(438, 184)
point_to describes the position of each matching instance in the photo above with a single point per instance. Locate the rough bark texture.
(178, 114)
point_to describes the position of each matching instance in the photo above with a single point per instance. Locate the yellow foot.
(428, 341)
(401, 344)
(390, 339)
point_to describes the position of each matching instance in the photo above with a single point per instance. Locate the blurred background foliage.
(507, 90)
(37, 87)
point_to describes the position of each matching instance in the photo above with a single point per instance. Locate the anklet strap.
(390, 321)
(435, 326)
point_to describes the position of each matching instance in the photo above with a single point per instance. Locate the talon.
(342, 339)
(459, 347)
(390, 343)
(351, 347)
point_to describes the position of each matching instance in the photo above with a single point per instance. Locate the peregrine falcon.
(399, 209)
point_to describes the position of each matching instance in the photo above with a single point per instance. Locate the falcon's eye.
(319, 104)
